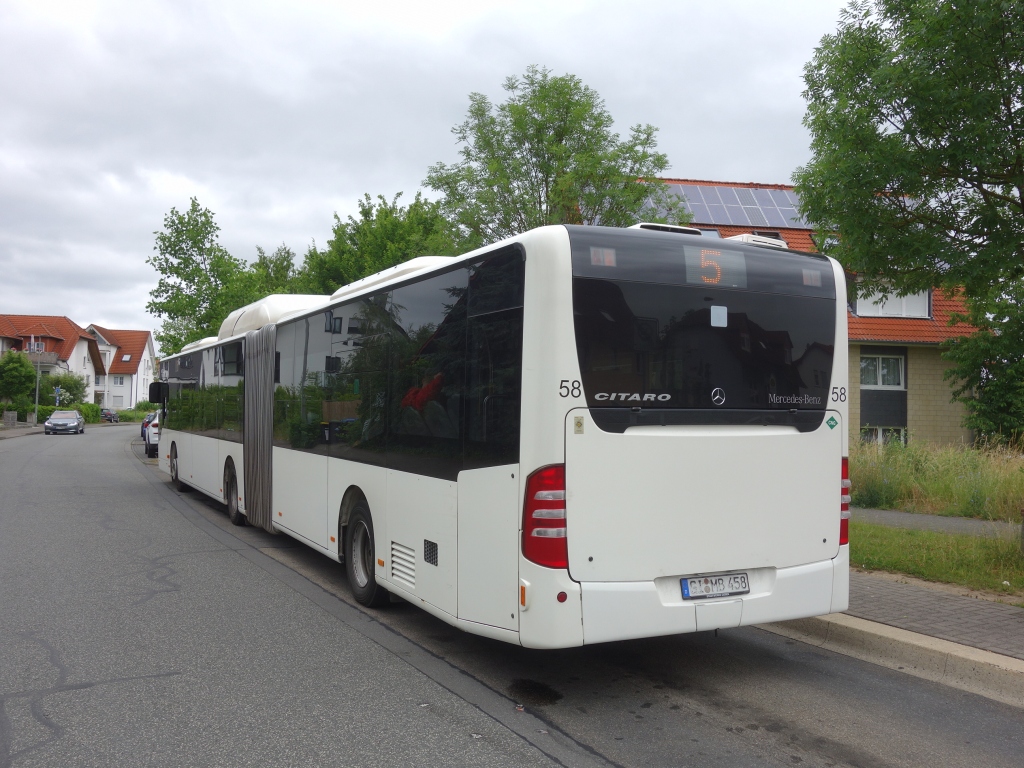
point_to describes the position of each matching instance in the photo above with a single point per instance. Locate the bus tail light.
(544, 541)
(844, 505)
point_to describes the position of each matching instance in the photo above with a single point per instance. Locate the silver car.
(71, 422)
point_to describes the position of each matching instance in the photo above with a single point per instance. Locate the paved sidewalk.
(979, 623)
(939, 523)
(975, 622)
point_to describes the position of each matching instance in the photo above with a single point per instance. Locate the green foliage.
(17, 375)
(194, 270)
(145, 406)
(72, 388)
(385, 234)
(90, 411)
(201, 283)
(914, 109)
(970, 561)
(988, 367)
(270, 273)
(953, 480)
(916, 114)
(548, 155)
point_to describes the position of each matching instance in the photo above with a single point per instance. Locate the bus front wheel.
(360, 558)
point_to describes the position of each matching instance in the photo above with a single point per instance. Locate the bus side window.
(427, 375)
(494, 389)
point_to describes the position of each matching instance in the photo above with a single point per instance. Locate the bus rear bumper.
(628, 610)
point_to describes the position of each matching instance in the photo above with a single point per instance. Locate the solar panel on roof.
(746, 197)
(711, 196)
(740, 206)
(728, 195)
(757, 218)
(775, 217)
(736, 215)
(701, 213)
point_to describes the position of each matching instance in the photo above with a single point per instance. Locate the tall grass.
(995, 564)
(957, 480)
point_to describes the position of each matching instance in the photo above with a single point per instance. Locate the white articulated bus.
(578, 435)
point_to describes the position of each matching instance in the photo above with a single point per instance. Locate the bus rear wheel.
(179, 484)
(361, 558)
(231, 494)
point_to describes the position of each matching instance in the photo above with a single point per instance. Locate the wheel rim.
(232, 499)
(174, 465)
(362, 554)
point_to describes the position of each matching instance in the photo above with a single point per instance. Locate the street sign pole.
(37, 379)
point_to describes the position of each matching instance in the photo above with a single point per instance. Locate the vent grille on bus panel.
(403, 564)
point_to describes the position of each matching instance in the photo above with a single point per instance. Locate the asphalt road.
(139, 628)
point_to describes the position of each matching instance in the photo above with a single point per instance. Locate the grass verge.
(958, 480)
(995, 565)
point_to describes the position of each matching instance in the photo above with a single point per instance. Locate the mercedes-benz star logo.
(718, 396)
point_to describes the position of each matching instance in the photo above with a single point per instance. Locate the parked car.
(145, 422)
(152, 436)
(108, 415)
(69, 422)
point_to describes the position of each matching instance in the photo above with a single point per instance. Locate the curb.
(985, 673)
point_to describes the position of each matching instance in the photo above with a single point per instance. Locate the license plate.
(703, 587)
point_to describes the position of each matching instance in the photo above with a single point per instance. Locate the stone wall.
(931, 414)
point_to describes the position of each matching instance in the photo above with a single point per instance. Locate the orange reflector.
(332, 538)
(280, 514)
(522, 595)
(380, 562)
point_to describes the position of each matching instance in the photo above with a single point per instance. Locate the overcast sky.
(277, 115)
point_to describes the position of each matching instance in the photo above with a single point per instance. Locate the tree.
(385, 234)
(916, 115)
(270, 273)
(194, 270)
(547, 155)
(72, 388)
(17, 376)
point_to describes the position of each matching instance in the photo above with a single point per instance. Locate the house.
(897, 387)
(116, 365)
(54, 344)
(131, 368)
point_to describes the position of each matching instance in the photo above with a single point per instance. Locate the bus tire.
(231, 494)
(360, 559)
(179, 484)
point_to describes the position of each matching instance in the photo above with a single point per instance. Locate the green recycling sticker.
(832, 422)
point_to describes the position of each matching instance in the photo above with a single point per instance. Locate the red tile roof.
(908, 330)
(747, 184)
(131, 343)
(60, 334)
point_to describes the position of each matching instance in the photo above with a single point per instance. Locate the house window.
(85, 361)
(125, 358)
(881, 372)
(914, 305)
(118, 382)
(119, 401)
(99, 380)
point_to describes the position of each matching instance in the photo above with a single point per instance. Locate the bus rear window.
(716, 346)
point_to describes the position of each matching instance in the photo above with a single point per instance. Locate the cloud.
(275, 116)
